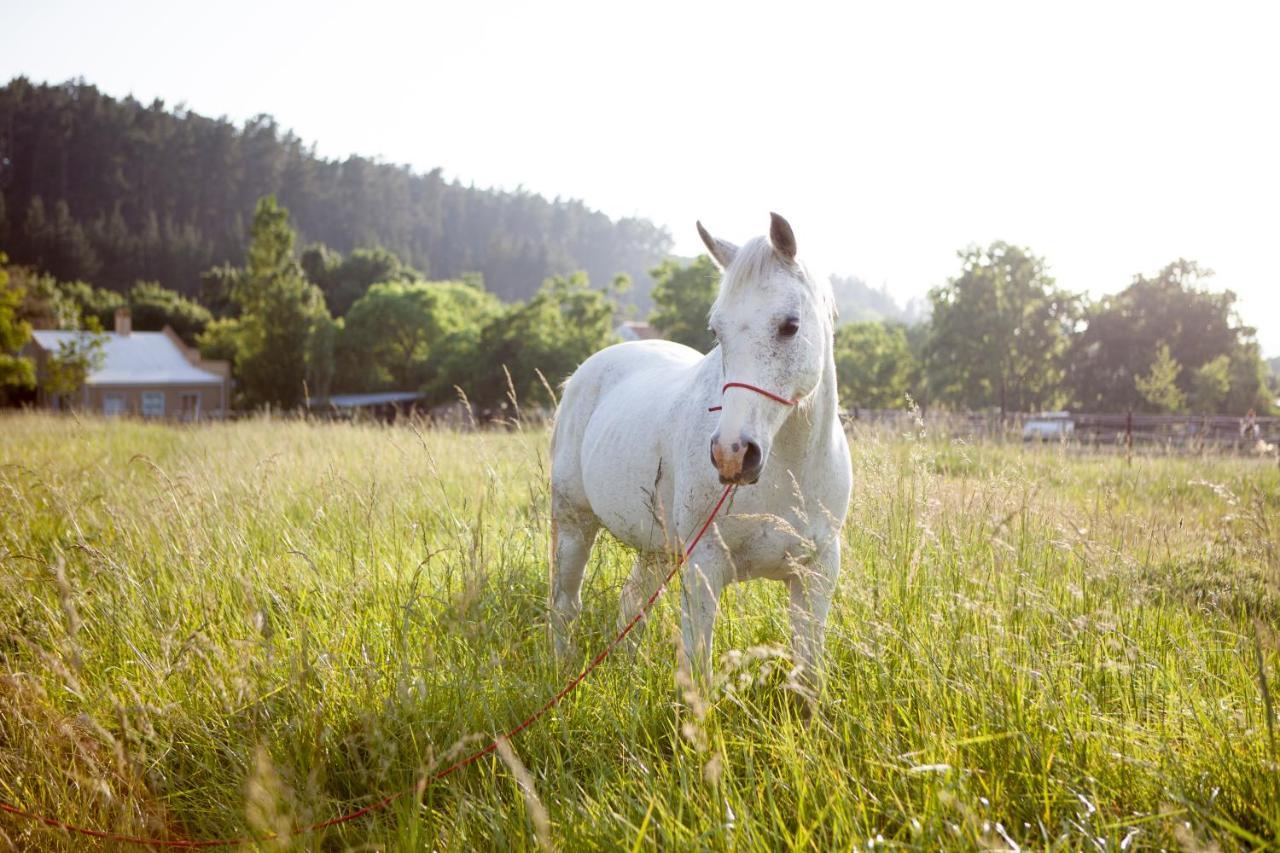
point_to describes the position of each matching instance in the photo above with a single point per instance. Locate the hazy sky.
(1110, 138)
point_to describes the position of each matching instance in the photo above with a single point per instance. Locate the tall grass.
(241, 628)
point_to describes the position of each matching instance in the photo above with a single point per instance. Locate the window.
(189, 405)
(153, 404)
(113, 404)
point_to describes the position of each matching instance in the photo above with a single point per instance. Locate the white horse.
(629, 453)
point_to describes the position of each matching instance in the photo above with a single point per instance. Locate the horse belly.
(623, 474)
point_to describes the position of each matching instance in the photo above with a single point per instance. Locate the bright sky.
(1110, 138)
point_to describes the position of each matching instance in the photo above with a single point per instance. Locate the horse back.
(607, 442)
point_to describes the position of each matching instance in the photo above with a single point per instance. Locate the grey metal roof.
(355, 401)
(633, 330)
(140, 358)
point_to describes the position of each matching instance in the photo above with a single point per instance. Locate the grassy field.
(238, 628)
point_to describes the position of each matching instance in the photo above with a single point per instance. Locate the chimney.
(124, 321)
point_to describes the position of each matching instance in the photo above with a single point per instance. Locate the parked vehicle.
(1048, 425)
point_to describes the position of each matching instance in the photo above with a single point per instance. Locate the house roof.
(139, 358)
(356, 401)
(632, 330)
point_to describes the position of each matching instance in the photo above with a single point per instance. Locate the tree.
(66, 370)
(90, 302)
(390, 334)
(999, 333)
(345, 280)
(153, 307)
(220, 340)
(51, 304)
(1124, 332)
(16, 371)
(875, 367)
(550, 335)
(284, 338)
(1250, 388)
(1159, 388)
(57, 244)
(1210, 383)
(320, 265)
(682, 298)
(857, 302)
(217, 286)
(73, 256)
(45, 303)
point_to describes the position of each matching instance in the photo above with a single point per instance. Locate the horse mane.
(757, 261)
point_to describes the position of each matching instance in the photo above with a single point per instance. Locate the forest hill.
(111, 191)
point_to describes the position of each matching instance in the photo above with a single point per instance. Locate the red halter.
(772, 396)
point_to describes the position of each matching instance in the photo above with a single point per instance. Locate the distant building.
(383, 405)
(633, 331)
(150, 374)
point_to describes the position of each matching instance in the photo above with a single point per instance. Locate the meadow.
(240, 628)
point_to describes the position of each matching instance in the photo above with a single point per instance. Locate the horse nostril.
(714, 463)
(751, 460)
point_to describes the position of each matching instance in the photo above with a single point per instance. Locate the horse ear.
(782, 237)
(722, 251)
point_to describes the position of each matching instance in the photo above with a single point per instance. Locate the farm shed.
(385, 405)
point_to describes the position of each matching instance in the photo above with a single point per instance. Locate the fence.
(1173, 433)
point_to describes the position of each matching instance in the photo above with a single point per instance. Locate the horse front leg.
(811, 590)
(702, 581)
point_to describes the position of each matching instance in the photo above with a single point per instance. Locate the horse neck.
(808, 431)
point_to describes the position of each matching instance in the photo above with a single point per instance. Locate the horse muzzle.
(738, 462)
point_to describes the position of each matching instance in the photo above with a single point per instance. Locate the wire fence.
(1247, 435)
(1128, 431)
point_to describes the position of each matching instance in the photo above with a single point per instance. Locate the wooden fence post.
(1128, 438)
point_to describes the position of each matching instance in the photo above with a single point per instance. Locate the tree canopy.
(435, 336)
(153, 307)
(345, 280)
(1159, 387)
(857, 301)
(392, 333)
(282, 342)
(1173, 311)
(1000, 332)
(682, 298)
(16, 371)
(875, 365)
(529, 348)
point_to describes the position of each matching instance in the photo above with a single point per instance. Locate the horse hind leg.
(571, 539)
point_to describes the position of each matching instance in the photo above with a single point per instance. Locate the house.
(152, 374)
(634, 331)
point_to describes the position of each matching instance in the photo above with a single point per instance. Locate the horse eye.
(789, 327)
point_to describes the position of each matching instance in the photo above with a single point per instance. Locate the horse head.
(774, 327)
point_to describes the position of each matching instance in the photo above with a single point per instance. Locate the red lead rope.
(457, 765)
(435, 777)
